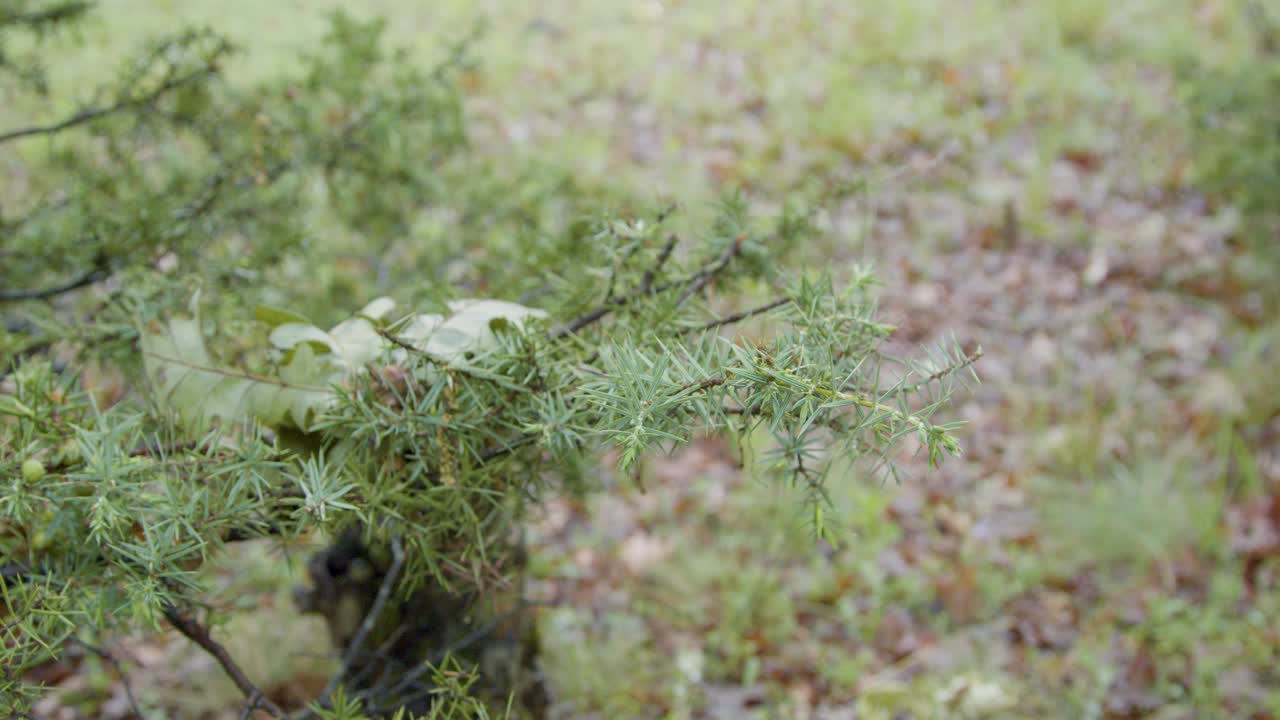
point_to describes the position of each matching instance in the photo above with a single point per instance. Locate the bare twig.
(398, 341)
(739, 317)
(111, 660)
(251, 703)
(199, 634)
(635, 247)
(586, 319)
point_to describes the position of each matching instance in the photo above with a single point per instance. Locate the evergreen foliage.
(193, 237)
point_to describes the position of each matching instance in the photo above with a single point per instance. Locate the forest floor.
(1020, 176)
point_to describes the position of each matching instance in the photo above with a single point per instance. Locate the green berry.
(70, 451)
(32, 470)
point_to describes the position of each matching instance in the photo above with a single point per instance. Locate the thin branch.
(739, 317)
(400, 342)
(251, 703)
(89, 114)
(199, 634)
(646, 281)
(370, 618)
(440, 654)
(700, 385)
(88, 278)
(704, 276)
(111, 660)
(644, 289)
(582, 321)
(14, 571)
(635, 247)
(691, 284)
(382, 651)
(965, 362)
(584, 368)
(618, 266)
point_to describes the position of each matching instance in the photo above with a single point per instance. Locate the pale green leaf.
(288, 335)
(356, 342)
(181, 371)
(378, 308)
(274, 316)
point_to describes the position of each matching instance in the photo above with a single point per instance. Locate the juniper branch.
(90, 114)
(947, 371)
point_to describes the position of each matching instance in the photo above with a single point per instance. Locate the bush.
(179, 250)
